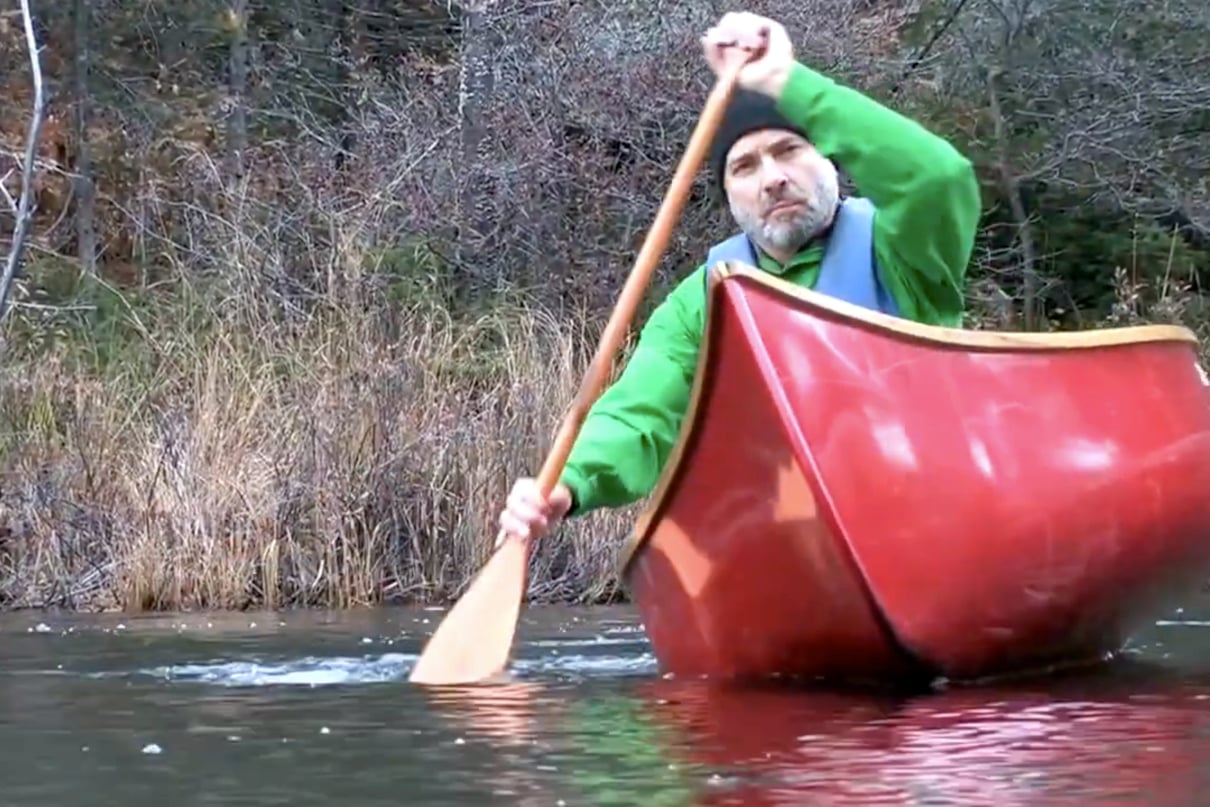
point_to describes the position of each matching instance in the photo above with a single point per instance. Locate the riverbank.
(176, 450)
(278, 394)
(180, 447)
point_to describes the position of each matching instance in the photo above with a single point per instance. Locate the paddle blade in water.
(475, 639)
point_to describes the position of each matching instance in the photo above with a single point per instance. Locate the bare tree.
(1103, 99)
(1012, 190)
(474, 99)
(23, 208)
(237, 89)
(527, 143)
(85, 189)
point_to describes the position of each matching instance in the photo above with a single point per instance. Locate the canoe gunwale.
(1004, 341)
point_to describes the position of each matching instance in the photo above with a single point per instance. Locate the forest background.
(310, 282)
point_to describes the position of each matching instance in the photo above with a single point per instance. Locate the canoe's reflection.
(1105, 741)
(961, 746)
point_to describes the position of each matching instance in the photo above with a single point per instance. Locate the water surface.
(314, 708)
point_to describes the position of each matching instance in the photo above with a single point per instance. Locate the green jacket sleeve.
(629, 433)
(925, 191)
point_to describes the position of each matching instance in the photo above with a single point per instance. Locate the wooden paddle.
(474, 640)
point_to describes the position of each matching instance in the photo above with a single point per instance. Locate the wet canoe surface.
(866, 499)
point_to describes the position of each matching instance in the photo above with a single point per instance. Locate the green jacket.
(928, 208)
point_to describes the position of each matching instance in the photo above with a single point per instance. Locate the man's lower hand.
(527, 515)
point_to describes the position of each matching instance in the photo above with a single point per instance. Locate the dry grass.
(179, 447)
(357, 456)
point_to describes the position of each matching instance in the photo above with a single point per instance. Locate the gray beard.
(791, 235)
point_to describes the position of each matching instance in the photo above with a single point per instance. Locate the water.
(305, 708)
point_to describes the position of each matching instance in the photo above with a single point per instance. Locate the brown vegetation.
(350, 259)
(356, 456)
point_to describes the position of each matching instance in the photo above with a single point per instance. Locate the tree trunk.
(237, 122)
(86, 234)
(474, 181)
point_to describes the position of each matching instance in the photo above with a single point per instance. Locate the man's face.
(781, 190)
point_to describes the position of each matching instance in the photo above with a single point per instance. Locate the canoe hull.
(854, 499)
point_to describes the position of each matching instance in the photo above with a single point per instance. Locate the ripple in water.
(307, 671)
(606, 658)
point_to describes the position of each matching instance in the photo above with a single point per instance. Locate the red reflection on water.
(968, 746)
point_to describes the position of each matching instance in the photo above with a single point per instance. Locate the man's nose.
(775, 184)
(774, 177)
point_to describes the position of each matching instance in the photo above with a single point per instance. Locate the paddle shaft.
(472, 642)
(640, 276)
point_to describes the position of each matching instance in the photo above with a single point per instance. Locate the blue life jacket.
(849, 270)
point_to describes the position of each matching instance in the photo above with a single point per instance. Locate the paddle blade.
(474, 640)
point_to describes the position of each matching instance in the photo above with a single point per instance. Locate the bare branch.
(1013, 192)
(23, 212)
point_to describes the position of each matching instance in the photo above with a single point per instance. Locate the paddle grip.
(645, 264)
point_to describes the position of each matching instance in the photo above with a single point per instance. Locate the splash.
(306, 671)
(602, 656)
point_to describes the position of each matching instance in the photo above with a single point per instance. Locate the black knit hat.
(748, 112)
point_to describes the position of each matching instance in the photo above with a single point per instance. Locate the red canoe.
(863, 497)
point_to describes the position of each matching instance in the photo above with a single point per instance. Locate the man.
(902, 248)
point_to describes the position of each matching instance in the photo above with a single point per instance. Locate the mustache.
(774, 200)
